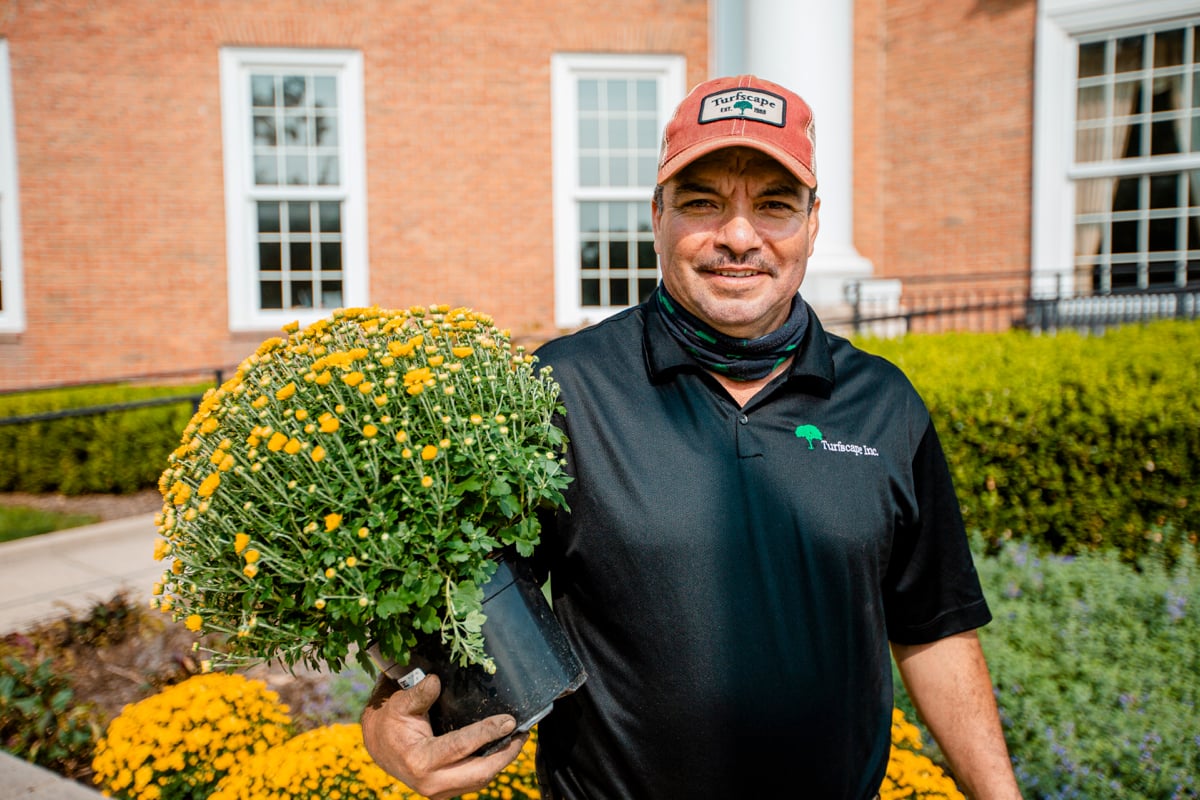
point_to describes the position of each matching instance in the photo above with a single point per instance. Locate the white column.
(807, 46)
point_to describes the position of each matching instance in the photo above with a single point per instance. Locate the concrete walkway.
(57, 574)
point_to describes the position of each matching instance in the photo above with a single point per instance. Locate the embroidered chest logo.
(812, 434)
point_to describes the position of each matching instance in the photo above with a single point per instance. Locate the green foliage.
(40, 720)
(117, 452)
(1074, 441)
(1094, 662)
(1095, 667)
(17, 522)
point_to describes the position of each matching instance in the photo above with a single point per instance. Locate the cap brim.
(687, 156)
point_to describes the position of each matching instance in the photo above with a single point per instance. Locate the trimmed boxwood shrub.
(116, 452)
(1073, 441)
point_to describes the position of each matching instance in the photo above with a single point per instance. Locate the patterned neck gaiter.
(737, 359)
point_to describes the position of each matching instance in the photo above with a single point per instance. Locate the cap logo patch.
(751, 104)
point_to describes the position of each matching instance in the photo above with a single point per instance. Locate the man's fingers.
(420, 698)
(464, 742)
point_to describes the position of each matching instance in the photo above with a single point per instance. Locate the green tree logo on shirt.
(809, 432)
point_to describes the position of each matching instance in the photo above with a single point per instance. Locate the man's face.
(734, 235)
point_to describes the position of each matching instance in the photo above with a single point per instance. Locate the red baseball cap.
(742, 111)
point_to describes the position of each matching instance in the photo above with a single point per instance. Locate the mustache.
(753, 261)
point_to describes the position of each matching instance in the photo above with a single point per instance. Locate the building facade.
(178, 180)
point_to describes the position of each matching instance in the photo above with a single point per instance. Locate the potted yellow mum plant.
(348, 491)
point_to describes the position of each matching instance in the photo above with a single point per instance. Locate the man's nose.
(738, 235)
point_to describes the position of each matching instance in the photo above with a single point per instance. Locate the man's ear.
(814, 224)
(655, 220)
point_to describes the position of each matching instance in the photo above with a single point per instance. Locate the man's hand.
(398, 736)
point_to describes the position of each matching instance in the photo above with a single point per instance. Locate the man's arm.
(949, 684)
(398, 736)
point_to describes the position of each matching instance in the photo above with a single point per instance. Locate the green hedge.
(116, 452)
(1069, 440)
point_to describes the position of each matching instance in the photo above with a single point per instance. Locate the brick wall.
(117, 109)
(943, 135)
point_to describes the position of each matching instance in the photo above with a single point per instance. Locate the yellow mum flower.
(428, 452)
(277, 441)
(292, 447)
(162, 548)
(427, 481)
(328, 423)
(239, 542)
(370, 430)
(332, 521)
(286, 391)
(194, 622)
(353, 378)
(250, 570)
(317, 453)
(462, 352)
(251, 556)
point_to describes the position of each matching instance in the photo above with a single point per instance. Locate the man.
(758, 510)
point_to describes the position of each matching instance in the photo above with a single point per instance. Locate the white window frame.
(241, 195)
(566, 69)
(12, 314)
(1053, 207)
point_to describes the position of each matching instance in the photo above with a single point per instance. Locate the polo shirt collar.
(811, 370)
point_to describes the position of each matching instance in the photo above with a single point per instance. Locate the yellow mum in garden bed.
(180, 742)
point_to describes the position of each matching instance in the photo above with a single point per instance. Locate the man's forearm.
(950, 686)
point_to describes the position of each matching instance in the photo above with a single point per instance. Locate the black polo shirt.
(731, 576)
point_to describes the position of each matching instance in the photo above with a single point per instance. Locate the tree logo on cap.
(744, 105)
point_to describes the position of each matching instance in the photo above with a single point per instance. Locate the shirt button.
(743, 419)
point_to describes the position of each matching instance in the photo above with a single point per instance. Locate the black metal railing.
(215, 374)
(1000, 301)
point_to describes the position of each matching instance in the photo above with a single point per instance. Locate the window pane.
(646, 257)
(1125, 237)
(327, 130)
(293, 90)
(1127, 196)
(1168, 48)
(268, 217)
(618, 171)
(270, 294)
(270, 257)
(302, 296)
(589, 171)
(647, 133)
(618, 292)
(1168, 94)
(618, 255)
(646, 287)
(297, 170)
(266, 171)
(295, 129)
(1164, 138)
(589, 255)
(331, 256)
(325, 91)
(1164, 191)
(618, 133)
(589, 132)
(262, 90)
(589, 95)
(298, 217)
(331, 294)
(1127, 141)
(331, 217)
(1162, 273)
(301, 255)
(264, 130)
(1124, 276)
(1090, 103)
(617, 95)
(1193, 233)
(1162, 235)
(647, 96)
(589, 217)
(589, 292)
(618, 217)
(327, 171)
(1129, 53)
(1091, 59)
(1193, 181)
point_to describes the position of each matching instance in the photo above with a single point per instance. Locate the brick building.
(178, 179)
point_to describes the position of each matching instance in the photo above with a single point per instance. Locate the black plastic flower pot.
(535, 664)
